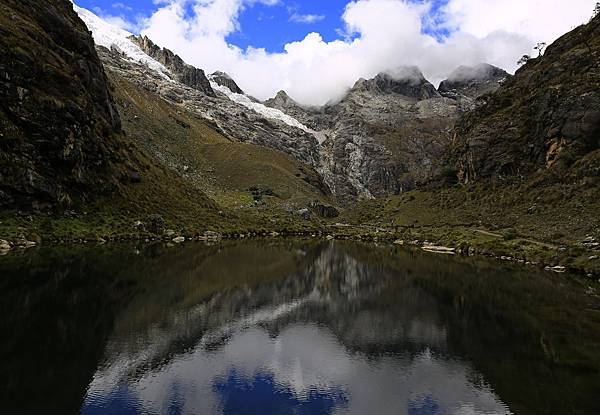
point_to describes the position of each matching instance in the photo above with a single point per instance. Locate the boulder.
(155, 224)
(5, 245)
(304, 213)
(325, 211)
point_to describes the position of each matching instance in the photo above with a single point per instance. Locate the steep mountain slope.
(194, 126)
(473, 81)
(226, 169)
(528, 162)
(62, 148)
(548, 113)
(184, 73)
(391, 133)
(58, 121)
(384, 137)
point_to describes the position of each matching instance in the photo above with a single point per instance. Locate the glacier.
(259, 108)
(108, 35)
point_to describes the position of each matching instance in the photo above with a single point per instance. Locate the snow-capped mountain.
(386, 136)
(110, 36)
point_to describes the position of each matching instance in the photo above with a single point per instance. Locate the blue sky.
(296, 43)
(261, 25)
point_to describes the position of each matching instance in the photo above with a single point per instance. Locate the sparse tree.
(596, 10)
(524, 60)
(540, 47)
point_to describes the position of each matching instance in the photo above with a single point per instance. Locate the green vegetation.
(222, 168)
(543, 219)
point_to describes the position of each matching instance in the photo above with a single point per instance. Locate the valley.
(395, 159)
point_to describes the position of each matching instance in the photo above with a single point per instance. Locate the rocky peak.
(406, 81)
(183, 72)
(281, 100)
(223, 79)
(473, 81)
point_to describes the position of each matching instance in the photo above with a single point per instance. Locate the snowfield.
(259, 108)
(108, 35)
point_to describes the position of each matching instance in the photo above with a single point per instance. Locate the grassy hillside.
(546, 217)
(225, 169)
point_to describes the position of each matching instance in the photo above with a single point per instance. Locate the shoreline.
(550, 263)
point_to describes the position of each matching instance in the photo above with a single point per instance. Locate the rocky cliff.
(547, 115)
(408, 82)
(221, 78)
(473, 81)
(384, 137)
(57, 117)
(184, 73)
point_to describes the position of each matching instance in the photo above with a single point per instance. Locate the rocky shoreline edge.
(172, 238)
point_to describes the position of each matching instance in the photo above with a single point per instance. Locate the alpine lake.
(279, 326)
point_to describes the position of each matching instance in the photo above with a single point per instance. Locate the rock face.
(236, 122)
(57, 117)
(408, 82)
(225, 80)
(473, 81)
(547, 113)
(384, 137)
(184, 73)
(228, 117)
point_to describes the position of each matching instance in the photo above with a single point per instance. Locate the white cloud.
(540, 20)
(306, 18)
(385, 34)
(123, 6)
(120, 21)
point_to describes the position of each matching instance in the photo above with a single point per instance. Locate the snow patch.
(108, 35)
(259, 108)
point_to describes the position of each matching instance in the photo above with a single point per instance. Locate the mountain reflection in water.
(273, 327)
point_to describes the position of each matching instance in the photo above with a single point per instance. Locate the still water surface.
(274, 327)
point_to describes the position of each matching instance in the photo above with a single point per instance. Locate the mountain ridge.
(185, 73)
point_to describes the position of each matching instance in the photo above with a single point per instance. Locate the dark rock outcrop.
(225, 80)
(325, 211)
(473, 81)
(548, 112)
(408, 82)
(184, 73)
(57, 116)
